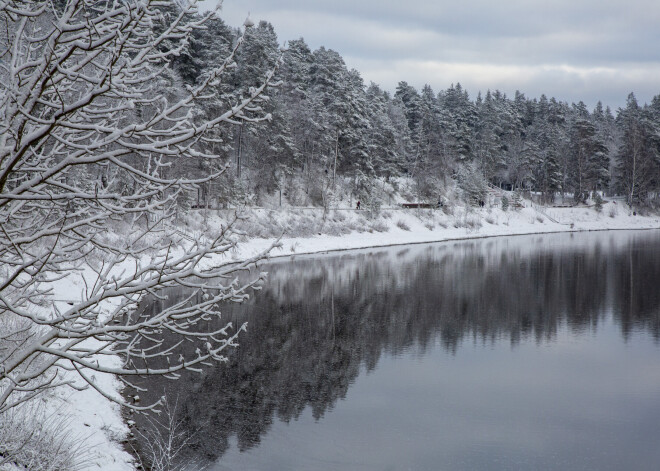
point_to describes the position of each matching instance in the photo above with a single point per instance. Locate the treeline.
(332, 136)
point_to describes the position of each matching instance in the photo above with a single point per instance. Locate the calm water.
(537, 352)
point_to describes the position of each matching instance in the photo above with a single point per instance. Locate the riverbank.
(419, 226)
(98, 421)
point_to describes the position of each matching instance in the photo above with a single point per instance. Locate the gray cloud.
(570, 49)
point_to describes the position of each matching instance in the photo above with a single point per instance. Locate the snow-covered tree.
(383, 145)
(472, 183)
(458, 120)
(93, 118)
(589, 162)
(546, 132)
(638, 155)
(496, 128)
(608, 134)
(412, 103)
(431, 164)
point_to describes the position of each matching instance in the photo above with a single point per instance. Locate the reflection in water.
(321, 321)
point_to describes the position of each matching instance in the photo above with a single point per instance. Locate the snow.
(248, 23)
(99, 421)
(526, 221)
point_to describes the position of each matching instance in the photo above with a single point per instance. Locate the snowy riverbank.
(401, 227)
(98, 421)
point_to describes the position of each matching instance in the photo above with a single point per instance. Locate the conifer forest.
(327, 124)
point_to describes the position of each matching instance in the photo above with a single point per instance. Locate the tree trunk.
(238, 151)
(334, 170)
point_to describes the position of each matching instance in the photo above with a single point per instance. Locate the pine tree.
(557, 119)
(383, 146)
(638, 153)
(396, 111)
(588, 168)
(458, 119)
(607, 134)
(489, 147)
(206, 50)
(412, 104)
(430, 166)
(295, 72)
(545, 133)
(260, 51)
(304, 111)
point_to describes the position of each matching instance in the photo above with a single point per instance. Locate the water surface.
(533, 352)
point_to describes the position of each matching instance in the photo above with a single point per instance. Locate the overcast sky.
(570, 49)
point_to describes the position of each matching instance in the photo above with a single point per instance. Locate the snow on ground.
(99, 421)
(423, 225)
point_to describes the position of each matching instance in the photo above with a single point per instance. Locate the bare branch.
(89, 135)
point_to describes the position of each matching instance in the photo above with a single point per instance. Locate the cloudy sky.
(570, 49)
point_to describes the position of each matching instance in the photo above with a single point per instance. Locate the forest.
(115, 116)
(331, 136)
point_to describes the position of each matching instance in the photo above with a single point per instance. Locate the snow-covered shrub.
(296, 195)
(613, 211)
(338, 216)
(164, 438)
(598, 202)
(373, 208)
(401, 224)
(33, 440)
(472, 223)
(363, 223)
(334, 230)
(306, 226)
(490, 219)
(468, 221)
(505, 203)
(516, 201)
(379, 226)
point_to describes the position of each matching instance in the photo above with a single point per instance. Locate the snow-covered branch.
(90, 130)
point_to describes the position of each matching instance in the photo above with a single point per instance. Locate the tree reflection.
(319, 322)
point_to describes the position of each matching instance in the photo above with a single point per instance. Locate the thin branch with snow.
(89, 133)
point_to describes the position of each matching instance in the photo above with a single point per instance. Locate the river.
(528, 352)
